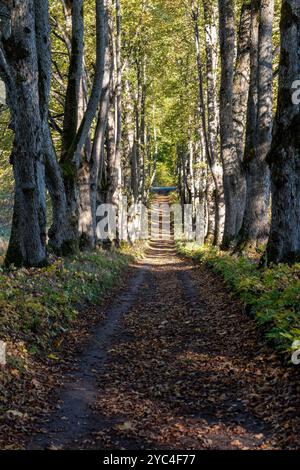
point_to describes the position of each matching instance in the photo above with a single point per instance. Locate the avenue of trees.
(107, 96)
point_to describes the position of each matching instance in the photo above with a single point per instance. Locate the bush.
(38, 305)
(272, 293)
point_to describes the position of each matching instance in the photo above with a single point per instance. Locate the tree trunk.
(74, 14)
(234, 182)
(27, 245)
(88, 173)
(97, 161)
(60, 233)
(140, 127)
(85, 217)
(76, 127)
(131, 154)
(211, 47)
(255, 229)
(118, 83)
(94, 98)
(202, 224)
(284, 157)
(113, 163)
(242, 78)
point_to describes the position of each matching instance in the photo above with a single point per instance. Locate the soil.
(176, 364)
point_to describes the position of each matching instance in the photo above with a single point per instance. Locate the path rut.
(176, 365)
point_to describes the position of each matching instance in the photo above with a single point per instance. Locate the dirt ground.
(176, 364)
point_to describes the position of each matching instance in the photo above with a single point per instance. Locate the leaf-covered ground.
(45, 315)
(181, 367)
(271, 294)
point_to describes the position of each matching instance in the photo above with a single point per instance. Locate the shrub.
(272, 293)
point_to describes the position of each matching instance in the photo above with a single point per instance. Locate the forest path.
(176, 365)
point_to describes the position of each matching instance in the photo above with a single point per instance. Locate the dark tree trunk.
(234, 182)
(60, 233)
(284, 157)
(27, 244)
(255, 228)
(74, 15)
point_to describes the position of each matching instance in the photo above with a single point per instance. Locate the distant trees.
(242, 96)
(107, 97)
(88, 122)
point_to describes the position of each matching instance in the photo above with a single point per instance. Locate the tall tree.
(19, 68)
(60, 232)
(114, 129)
(284, 157)
(98, 151)
(76, 129)
(241, 80)
(255, 228)
(234, 183)
(210, 11)
(90, 155)
(73, 11)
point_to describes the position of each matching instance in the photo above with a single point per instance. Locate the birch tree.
(210, 11)
(76, 130)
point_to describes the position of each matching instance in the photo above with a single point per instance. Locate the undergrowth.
(272, 293)
(38, 305)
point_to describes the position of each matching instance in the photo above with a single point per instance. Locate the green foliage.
(273, 293)
(164, 175)
(38, 305)
(6, 178)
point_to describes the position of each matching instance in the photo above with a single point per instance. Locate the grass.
(272, 293)
(44, 314)
(39, 305)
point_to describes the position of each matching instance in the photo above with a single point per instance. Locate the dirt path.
(176, 365)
